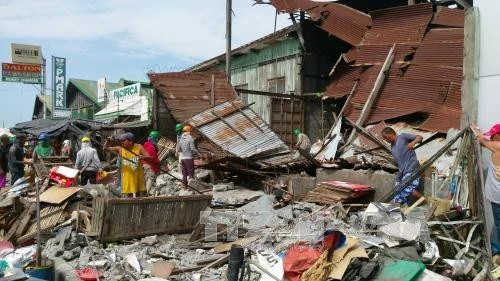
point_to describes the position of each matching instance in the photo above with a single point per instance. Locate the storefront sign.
(23, 73)
(58, 82)
(125, 92)
(26, 53)
(101, 90)
(61, 113)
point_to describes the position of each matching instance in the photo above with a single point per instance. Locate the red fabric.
(298, 259)
(155, 162)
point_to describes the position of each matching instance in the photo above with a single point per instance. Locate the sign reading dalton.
(22, 73)
(127, 92)
(58, 82)
(26, 53)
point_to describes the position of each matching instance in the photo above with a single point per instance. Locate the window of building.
(276, 85)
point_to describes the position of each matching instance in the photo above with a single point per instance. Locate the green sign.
(125, 92)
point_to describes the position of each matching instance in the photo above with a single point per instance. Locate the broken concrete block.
(72, 254)
(134, 262)
(149, 240)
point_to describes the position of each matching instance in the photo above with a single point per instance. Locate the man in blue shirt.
(402, 149)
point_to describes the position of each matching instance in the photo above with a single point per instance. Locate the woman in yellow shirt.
(132, 174)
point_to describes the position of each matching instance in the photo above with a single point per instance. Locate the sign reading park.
(58, 82)
(23, 73)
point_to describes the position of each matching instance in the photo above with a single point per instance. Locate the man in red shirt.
(151, 166)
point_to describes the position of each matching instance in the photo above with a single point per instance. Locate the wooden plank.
(212, 92)
(370, 135)
(373, 94)
(25, 221)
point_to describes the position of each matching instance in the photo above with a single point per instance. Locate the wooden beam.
(373, 94)
(269, 94)
(212, 92)
(369, 135)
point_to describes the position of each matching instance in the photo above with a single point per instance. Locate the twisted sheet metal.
(241, 137)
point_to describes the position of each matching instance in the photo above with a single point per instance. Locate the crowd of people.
(138, 164)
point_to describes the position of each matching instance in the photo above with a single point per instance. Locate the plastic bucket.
(45, 271)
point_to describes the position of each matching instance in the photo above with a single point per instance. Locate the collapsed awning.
(137, 106)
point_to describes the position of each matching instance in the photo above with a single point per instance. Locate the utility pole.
(228, 38)
(42, 91)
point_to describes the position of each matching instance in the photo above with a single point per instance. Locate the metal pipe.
(228, 38)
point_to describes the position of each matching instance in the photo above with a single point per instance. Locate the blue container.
(46, 271)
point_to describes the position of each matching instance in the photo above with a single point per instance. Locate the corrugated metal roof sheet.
(186, 94)
(431, 72)
(290, 6)
(405, 24)
(344, 22)
(449, 17)
(235, 133)
(376, 54)
(436, 35)
(447, 53)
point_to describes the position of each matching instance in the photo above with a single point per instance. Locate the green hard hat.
(154, 134)
(296, 132)
(178, 127)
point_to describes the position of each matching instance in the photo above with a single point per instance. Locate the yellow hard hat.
(85, 139)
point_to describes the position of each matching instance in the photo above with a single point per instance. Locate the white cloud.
(190, 30)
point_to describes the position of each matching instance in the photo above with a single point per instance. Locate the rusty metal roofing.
(405, 24)
(376, 54)
(431, 72)
(290, 6)
(445, 53)
(449, 17)
(436, 35)
(237, 129)
(186, 94)
(344, 22)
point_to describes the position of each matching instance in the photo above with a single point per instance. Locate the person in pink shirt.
(152, 165)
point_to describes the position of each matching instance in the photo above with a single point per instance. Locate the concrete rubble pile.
(298, 241)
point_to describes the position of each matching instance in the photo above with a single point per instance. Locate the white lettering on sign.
(126, 92)
(59, 81)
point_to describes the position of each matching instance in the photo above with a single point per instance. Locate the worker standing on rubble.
(492, 184)
(87, 161)
(16, 159)
(132, 171)
(43, 148)
(4, 163)
(303, 143)
(402, 149)
(66, 150)
(187, 151)
(151, 166)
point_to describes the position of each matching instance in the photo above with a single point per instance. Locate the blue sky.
(118, 39)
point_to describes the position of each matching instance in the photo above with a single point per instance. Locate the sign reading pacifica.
(58, 83)
(125, 93)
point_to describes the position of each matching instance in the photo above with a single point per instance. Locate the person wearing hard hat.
(66, 150)
(132, 171)
(43, 148)
(152, 165)
(187, 151)
(303, 143)
(4, 162)
(87, 162)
